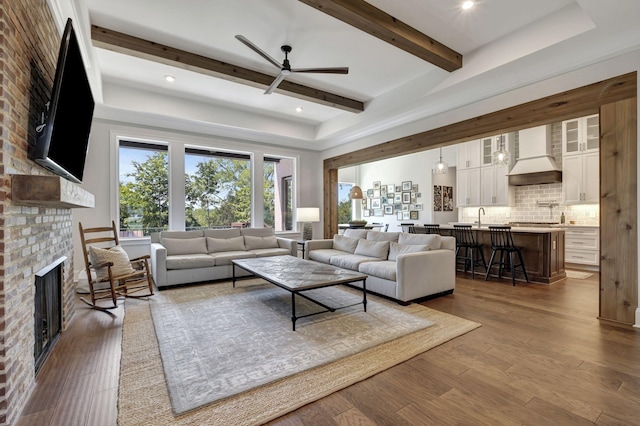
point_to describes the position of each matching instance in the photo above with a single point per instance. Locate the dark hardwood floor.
(540, 358)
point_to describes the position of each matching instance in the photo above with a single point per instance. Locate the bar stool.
(406, 227)
(465, 239)
(502, 241)
(417, 230)
(432, 228)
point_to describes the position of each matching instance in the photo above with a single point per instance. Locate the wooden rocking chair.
(110, 272)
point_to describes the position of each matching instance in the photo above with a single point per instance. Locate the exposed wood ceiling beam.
(124, 43)
(380, 24)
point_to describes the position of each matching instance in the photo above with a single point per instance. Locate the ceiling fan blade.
(259, 51)
(275, 84)
(336, 70)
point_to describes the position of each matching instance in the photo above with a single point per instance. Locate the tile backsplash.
(526, 208)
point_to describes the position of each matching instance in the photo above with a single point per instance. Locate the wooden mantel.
(49, 191)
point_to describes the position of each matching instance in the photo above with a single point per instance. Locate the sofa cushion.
(383, 236)
(190, 261)
(345, 243)
(225, 258)
(377, 249)
(222, 233)
(215, 245)
(350, 261)
(355, 233)
(271, 252)
(257, 232)
(324, 255)
(116, 255)
(177, 246)
(384, 269)
(180, 234)
(431, 240)
(397, 249)
(255, 243)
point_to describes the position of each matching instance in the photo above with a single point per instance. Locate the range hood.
(536, 165)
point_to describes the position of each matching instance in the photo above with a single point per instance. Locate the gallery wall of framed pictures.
(402, 200)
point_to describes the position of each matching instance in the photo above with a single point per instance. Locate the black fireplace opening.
(48, 310)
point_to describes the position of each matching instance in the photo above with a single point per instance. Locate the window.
(344, 202)
(143, 188)
(278, 193)
(217, 189)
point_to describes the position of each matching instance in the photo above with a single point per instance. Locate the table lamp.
(307, 215)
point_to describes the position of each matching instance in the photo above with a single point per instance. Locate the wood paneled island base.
(543, 252)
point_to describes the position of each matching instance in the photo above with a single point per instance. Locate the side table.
(301, 246)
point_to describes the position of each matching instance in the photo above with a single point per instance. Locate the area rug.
(580, 275)
(144, 397)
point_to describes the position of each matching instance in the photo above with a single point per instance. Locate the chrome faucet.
(481, 209)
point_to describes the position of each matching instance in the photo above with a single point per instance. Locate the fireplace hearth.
(48, 310)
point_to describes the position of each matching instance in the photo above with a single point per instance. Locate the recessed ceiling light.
(467, 4)
(169, 78)
(299, 109)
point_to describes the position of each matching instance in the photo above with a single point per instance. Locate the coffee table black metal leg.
(364, 294)
(293, 309)
(233, 273)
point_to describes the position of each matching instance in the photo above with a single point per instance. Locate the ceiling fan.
(285, 67)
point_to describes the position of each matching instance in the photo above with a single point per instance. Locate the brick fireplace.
(31, 236)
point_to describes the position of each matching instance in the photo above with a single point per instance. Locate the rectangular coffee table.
(298, 275)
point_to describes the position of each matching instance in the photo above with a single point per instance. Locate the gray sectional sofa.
(180, 257)
(400, 266)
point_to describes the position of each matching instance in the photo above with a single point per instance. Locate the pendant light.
(440, 167)
(501, 157)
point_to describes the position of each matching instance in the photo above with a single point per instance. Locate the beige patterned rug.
(192, 378)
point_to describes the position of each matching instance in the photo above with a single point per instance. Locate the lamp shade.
(356, 193)
(308, 214)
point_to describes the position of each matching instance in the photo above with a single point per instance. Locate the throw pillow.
(397, 249)
(355, 233)
(377, 249)
(431, 240)
(178, 246)
(116, 255)
(255, 243)
(383, 236)
(216, 245)
(345, 243)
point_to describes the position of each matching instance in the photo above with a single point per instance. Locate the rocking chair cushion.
(117, 255)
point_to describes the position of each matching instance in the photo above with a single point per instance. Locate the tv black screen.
(62, 144)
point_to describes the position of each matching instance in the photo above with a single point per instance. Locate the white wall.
(100, 175)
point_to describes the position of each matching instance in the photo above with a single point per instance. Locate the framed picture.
(390, 200)
(406, 185)
(378, 212)
(418, 207)
(376, 185)
(447, 198)
(405, 216)
(413, 215)
(406, 198)
(388, 209)
(405, 207)
(376, 193)
(383, 190)
(413, 197)
(437, 198)
(398, 188)
(397, 198)
(418, 194)
(369, 192)
(399, 216)
(414, 187)
(368, 203)
(390, 188)
(375, 203)
(366, 213)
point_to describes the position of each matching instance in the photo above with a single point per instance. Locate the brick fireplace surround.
(31, 237)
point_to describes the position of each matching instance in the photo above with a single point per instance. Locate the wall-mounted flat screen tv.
(63, 140)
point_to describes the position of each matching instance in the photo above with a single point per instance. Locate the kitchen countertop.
(519, 229)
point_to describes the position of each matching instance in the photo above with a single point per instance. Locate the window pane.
(217, 191)
(344, 202)
(278, 193)
(144, 189)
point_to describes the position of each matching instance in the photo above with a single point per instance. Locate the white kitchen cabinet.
(582, 245)
(469, 154)
(491, 144)
(495, 189)
(581, 135)
(468, 187)
(581, 178)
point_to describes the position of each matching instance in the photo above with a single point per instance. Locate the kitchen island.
(543, 251)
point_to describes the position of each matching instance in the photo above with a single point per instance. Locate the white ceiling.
(496, 37)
